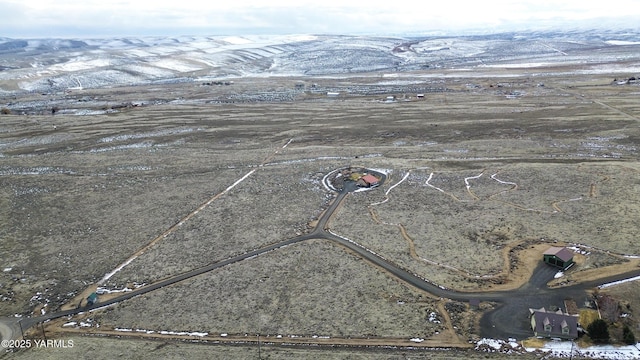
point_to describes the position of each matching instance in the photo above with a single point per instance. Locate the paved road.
(509, 320)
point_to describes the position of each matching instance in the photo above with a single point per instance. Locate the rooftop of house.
(551, 323)
(561, 253)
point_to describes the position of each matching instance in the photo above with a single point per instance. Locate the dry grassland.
(485, 173)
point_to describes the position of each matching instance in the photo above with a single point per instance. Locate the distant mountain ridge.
(45, 65)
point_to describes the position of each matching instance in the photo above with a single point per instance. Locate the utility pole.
(20, 324)
(259, 348)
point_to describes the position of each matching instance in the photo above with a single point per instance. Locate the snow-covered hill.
(45, 65)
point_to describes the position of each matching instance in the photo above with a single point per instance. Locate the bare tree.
(609, 307)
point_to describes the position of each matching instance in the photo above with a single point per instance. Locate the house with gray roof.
(553, 324)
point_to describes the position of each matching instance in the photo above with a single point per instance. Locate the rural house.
(368, 180)
(553, 325)
(559, 256)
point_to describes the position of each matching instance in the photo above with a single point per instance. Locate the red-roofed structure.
(368, 180)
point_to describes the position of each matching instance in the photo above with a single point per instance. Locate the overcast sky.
(94, 18)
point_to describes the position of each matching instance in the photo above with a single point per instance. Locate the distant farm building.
(420, 96)
(333, 93)
(558, 256)
(368, 180)
(92, 299)
(553, 324)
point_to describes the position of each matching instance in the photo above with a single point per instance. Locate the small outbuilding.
(92, 299)
(558, 256)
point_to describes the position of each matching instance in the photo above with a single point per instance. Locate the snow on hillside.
(58, 64)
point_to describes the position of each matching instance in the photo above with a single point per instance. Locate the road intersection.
(508, 320)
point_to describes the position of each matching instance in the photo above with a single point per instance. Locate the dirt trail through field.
(77, 300)
(599, 102)
(438, 341)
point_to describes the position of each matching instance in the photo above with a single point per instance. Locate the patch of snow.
(496, 344)
(176, 65)
(79, 64)
(73, 323)
(618, 282)
(237, 40)
(433, 317)
(183, 333)
(416, 340)
(517, 66)
(570, 349)
(559, 274)
(622, 42)
(102, 290)
(7, 269)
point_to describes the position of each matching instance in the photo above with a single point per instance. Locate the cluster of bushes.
(610, 310)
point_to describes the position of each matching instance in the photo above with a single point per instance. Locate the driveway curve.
(508, 320)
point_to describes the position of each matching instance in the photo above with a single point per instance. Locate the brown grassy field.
(484, 173)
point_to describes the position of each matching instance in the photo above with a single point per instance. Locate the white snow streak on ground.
(570, 349)
(398, 183)
(391, 188)
(186, 218)
(120, 267)
(618, 282)
(435, 187)
(503, 182)
(326, 183)
(466, 180)
(232, 186)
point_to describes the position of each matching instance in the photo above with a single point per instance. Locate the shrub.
(5, 111)
(598, 331)
(627, 336)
